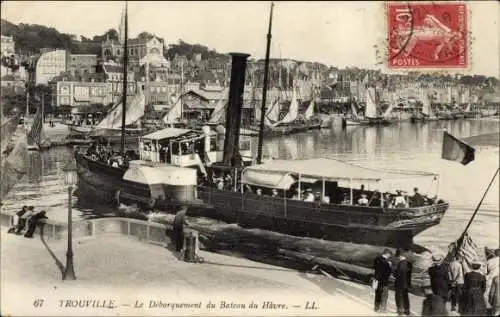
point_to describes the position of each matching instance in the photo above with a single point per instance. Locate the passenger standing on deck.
(309, 196)
(361, 192)
(417, 200)
(363, 201)
(399, 200)
(440, 279)
(382, 268)
(433, 304)
(474, 303)
(457, 282)
(402, 284)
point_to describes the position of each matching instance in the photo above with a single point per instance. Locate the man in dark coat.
(402, 284)
(440, 279)
(19, 225)
(33, 223)
(433, 304)
(178, 230)
(474, 303)
(417, 200)
(382, 268)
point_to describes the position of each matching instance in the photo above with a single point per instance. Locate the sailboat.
(312, 121)
(427, 114)
(371, 116)
(36, 136)
(164, 175)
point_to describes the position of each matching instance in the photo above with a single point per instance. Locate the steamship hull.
(97, 180)
(347, 223)
(105, 184)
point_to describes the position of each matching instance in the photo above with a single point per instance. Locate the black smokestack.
(233, 115)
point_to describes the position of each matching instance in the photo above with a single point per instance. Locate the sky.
(335, 33)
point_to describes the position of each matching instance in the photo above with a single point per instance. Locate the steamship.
(260, 195)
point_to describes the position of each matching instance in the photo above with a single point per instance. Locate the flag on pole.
(456, 150)
(466, 249)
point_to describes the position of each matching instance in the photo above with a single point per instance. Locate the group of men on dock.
(471, 293)
(26, 220)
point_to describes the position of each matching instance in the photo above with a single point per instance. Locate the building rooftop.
(207, 95)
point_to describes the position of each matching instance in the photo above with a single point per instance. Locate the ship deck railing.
(344, 214)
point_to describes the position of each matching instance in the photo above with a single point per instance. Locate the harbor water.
(403, 146)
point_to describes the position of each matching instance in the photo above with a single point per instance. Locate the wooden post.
(171, 154)
(350, 192)
(158, 158)
(298, 188)
(180, 154)
(323, 189)
(284, 201)
(235, 179)
(437, 190)
(381, 196)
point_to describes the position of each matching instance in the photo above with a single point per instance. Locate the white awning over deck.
(282, 172)
(320, 168)
(166, 133)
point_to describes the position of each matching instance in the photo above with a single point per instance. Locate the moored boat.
(334, 215)
(371, 116)
(174, 147)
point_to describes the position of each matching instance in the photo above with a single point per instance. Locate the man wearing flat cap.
(474, 303)
(440, 279)
(382, 268)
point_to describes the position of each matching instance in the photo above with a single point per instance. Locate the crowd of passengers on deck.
(105, 154)
(361, 197)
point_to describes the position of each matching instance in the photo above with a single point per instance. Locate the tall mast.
(182, 88)
(264, 90)
(124, 97)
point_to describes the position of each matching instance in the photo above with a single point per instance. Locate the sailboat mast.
(125, 65)
(43, 110)
(264, 90)
(182, 88)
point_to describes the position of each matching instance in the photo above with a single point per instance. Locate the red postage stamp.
(427, 35)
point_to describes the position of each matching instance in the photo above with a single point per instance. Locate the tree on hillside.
(112, 33)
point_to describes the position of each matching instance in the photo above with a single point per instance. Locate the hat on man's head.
(31, 207)
(476, 265)
(437, 257)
